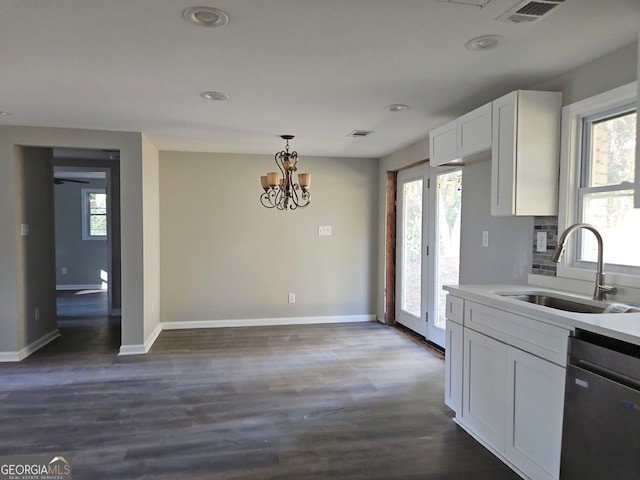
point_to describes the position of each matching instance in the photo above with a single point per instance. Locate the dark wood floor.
(348, 401)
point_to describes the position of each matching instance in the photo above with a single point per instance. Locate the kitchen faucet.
(601, 290)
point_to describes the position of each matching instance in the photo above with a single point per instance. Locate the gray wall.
(603, 74)
(35, 251)
(150, 176)
(507, 259)
(225, 257)
(83, 259)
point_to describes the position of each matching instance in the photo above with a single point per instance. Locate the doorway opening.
(422, 248)
(87, 241)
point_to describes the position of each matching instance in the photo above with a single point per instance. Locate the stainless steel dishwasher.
(601, 426)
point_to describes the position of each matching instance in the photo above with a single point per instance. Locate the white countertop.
(623, 326)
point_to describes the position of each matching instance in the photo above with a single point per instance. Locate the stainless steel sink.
(567, 305)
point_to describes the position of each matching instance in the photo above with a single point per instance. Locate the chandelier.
(279, 189)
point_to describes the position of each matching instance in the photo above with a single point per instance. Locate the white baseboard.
(138, 349)
(153, 337)
(6, 357)
(264, 322)
(141, 349)
(29, 349)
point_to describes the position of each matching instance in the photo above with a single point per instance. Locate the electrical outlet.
(541, 242)
(292, 298)
(24, 229)
(63, 270)
(324, 230)
(485, 238)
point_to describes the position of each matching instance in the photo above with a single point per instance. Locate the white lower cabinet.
(484, 387)
(453, 367)
(511, 400)
(534, 414)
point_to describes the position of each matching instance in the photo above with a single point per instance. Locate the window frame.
(572, 144)
(86, 213)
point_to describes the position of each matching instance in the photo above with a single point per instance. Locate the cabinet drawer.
(455, 309)
(541, 339)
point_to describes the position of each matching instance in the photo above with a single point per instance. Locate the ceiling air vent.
(360, 133)
(530, 11)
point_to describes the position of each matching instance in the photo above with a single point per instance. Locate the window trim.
(571, 145)
(86, 214)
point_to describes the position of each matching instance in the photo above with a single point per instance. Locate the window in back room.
(94, 214)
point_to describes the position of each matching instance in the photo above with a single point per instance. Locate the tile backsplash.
(542, 264)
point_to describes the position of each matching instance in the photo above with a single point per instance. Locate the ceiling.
(316, 69)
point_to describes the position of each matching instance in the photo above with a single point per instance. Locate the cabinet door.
(484, 387)
(474, 131)
(453, 367)
(524, 156)
(503, 155)
(443, 146)
(534, 414)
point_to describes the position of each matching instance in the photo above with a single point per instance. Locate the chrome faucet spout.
(601, 290)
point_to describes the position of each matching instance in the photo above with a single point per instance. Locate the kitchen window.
(94, 214)
(597, 185)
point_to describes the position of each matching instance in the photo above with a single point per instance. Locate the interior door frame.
(390, 243)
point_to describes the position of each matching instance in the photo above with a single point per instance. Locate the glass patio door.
(411, 234)
(444, 263)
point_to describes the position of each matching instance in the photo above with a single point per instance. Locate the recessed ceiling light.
(396, 107)
(484, 42)
(206, 16)
(217, 96)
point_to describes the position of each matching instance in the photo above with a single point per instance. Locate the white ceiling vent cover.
(530, 11)
(360, 133)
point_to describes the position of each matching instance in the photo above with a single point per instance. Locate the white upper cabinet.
(461, 138)
(443, 144)
(525, 153)
(474, 131)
